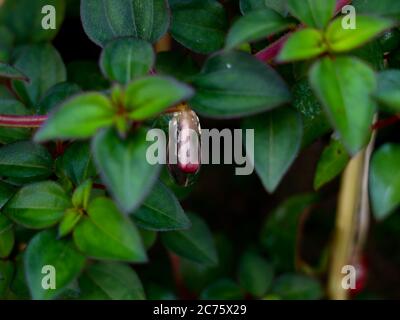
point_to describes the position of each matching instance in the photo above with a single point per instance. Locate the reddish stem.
(386, 122)
(340, 4)
(22, 121)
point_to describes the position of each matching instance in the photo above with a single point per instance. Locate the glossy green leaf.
(107, 234)
(344, 86)
(195, 244)
(110, 281)
(388, 91)
(26, 160)
(44, 67)
(24, 18)
(277, 141)
(340, 39)
(149, 238)
(178, 65)
(315, 122)
(234, 84)
(10, 106)
(254, 26)
(388, 8)
(279, 233)
(303, 44)
(77, 163)
(124, 168)
(9, 72)
(224, 289)
(247, 6)
(122, 60)
(297, 287)
(56, 95)
(46, 250)
(161, 211)
(81, 195)
(199, 25)
(384, 184)
(314, 13)
(6, 236)
(38, 205)
(78, 118)
(332, 162)
(68, 222)
(199, 276)
(147, 97)
(141, 19)
(6, 192)
(255, 274)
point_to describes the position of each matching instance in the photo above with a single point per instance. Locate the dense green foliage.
(78, 193)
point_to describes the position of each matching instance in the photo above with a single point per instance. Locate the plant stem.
(22, 121)
(352, 220)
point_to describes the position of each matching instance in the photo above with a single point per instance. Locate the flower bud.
(184, 146)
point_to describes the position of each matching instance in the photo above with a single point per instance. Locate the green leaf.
(56, 95)
(302, 45)
(314, 13)
(255, 274)
(81, 195)
(68, 222)
(315, 123)
(44, 67)
(344, 86)
(255, 26)
(378, 7)
(78, 118)
(388, 91)
(224, 289)
(340, 39)
(161, 211)
(6, 276)
(178, 65)
(141, 19)
(26, 160)
(87, 75)
(195, 244)
(122, 60)
(46, 250)
(110, 281)
(384, 182)
(124, 168)
(6, 43)
(6, 236)
(9, 72)
(234, 84)
(247, 6)
(18, 285)
(24, 18)
(39, 205)
(297, 287)
(77, 163)
(279, 233)
(147, 97)
(332, 162)
(10, 106)
(6, 192)
(107, 234)
(277, 141)
(199, 25)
